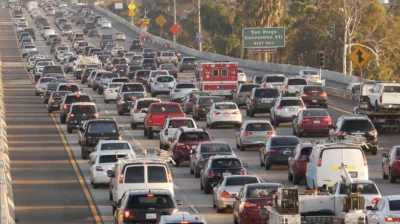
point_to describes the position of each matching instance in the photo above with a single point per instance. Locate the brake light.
(236, 112)
(96, 115)
(65, 107)
(243, 172)
(271, 133)
(249, 205)
(111, 65)
(216, 113)
(225, 194)
(375, 200)
(365, 160)
(391, 219)
(286, 87)
(341, 133)
(174, 69)
(380, 99)
(169, 178)
(279, 107)
(166, 132)
(99, 168)
(304, 95)
(305, 120)
(253, 101)
(247, 133)
(72, 115)
(319, 162)
(120, 137)
(200, 109)
(127, 214)
(84, 140)
(327, 120)
(123, 102)
(374, 132)
(210, 174)
(53, 100)
(271, 151)
(121, 178)
(178, 144)
(150, 195)
(192, 101)
(302, 107)
(397, 161)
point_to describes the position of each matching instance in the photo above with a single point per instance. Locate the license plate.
(151, 216)
(266, 101)
(317, 122)
(226, 174)
(292, 109)
(287, 152)
(353, 174)
(314, 101)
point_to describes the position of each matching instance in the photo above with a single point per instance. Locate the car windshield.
(357, 126)
(259, 127)
(258, 79)
(360, 188)
(165, 79)
(266, 93)
(261, 191)
(186, 86)
(114, 146)
(315, 113)
(209, 101)
(215, 148)
(226, 163)
(77, 98)
(291, 103)
(180, 123)
(195, 95)
(394, 205)
(297, 82)
(247, 88)
(275, 79)
(102, 127)
(225, 106)
(84, 109)
(148, 61)
(110, 158)
(282, 141)
(194, 136)
(160, 109)
(145, 103)
(391, 89)
(240, 181)
(150, 201)
(133, 88)
(133, 96)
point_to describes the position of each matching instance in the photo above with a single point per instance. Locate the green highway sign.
(263, 37)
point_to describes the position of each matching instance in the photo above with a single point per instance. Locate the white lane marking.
(106, 111)
(338, 109)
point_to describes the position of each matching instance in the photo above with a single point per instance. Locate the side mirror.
(179, 202)
(369, 208)
(81, 129)
(110, 173)
(384, 154)
(234, 195)
(120, 128)
(245, 165)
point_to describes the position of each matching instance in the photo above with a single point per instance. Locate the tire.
(391, 179)
(296, 180)
(251, 114)
(196, 173)
(242, 148)
(211, 126)
(63, 119)
(214, 203)
(384, 176)
(276, 123)
(149, 134)
(145, 132)
(120, 113)
(220, 210)
(300, 134)
(268, 166)
(290, 176)
(50, 110)
(133, 126)
(69, 130)
(207, 188)
(95, 186)
(377, 108)
(374, 150)
(191, 171)
(84, 154)
(201, 185)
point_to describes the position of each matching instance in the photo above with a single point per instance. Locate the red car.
(312, 121)
(391, 164)
(246, 208)
(298, 162)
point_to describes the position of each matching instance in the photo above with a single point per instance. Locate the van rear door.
(133, 178)
(330, 161)
(158, 178)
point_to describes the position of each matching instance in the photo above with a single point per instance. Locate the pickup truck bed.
(383, 120)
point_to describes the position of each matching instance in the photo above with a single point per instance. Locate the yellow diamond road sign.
(132, 13)
(131, 7)
(360, 56)
(161, 20)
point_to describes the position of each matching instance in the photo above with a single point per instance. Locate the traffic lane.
(43, 178)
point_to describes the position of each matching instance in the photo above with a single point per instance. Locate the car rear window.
(357, 126)
(302, 82)
(114, 146)
(394, 205)
(29, 46)
(215, 148)
(167, 66)
(288, 103)
(160, 109)
(391, 89)
(168, 54)
(148, 61)
(102, 127)
(45, 80)
(226, 163)
(225, 106)
(180, 123)
(247, 88)
(258, 79)
(275, 79)
(145, 103)
(150, 201)
(209, 101)
(52, 69)
(148, 50)
(72, 99)
(165, 79)
(143, 74)
(156, 174)
(261, 192)
(281, 141)
(82, 44)
(315, 113)
(154, 74)
(72, 88)
(84, 109)
(266, 93)
(313, 89)
(239, 181)
(194, 136)
(186, 86)
(52, 86)
(128, 55)
(133, 88)
(259, 127)
(133, 96)
(359, 188)
(134, 175)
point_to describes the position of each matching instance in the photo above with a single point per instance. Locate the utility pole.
(200, 48)
(345, 38)
(174, 18)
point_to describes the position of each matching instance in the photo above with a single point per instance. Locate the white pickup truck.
(166, 57)
(385, 96)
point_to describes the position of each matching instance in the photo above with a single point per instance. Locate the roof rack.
(159, 156)
(351, 139)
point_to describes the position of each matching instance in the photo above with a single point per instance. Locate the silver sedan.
(229, 185)
(254, 133)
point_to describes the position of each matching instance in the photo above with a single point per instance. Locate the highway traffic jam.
(163, 137)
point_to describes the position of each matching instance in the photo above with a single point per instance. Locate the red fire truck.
(219, 78)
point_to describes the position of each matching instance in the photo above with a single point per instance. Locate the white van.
(139, 173)
(324, 167)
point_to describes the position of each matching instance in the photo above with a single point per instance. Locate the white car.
(42, 84)
(40, 65)
(386, 211)
(64, 56)
(139, 109)
(224, 113)
(32, 61)
(241, 76)
(310, 75)
(101, 20)
(170, 127)
(113, 146)
(27, 49)
(115, 50)
(46, 33)
(106, 24)
(181, 90)
(103, 162)
(111, 92)
(162, 84)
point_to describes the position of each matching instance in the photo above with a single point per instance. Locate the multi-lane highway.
(50, 180)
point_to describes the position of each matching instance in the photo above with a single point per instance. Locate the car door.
(387, 159)
(374, 215)
(291, 159)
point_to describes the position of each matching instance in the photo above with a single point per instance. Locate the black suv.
(87, 27)
(80, 112)
(314, 96)
(144, 206)
(357, 128)
(136, 44)
(216, 168)
(68, 100)
(203, 104)
(261, 100)
(95, 130)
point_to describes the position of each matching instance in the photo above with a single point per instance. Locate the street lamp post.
(199, 24)
(174, 18)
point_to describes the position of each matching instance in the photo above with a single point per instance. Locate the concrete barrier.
(7, 215)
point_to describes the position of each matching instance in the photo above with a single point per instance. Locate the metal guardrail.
(257, 65)
(7, 215)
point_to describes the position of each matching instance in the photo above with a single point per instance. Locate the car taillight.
(323, 94)
(375, 200)
(216, 113)
(200, 109)
(174, 69)
(249, 204)
(96, 115)
(374, 132)
(225, 194)
(391, 219)
(84, 140)
(99, 168)
(253, 101)
(192, 101)
(72, 115)
(341, 133)
(42, 75)
(243, 172)
(65, 107)
(179, 144)
(271, 151)
(127, 214)
(380, 99)
(210, 174)
(111, 65)
(247, 133)
(319, 162)
(166, 131)
(279, 107)
(286, 87)
(305, 120)
(271, 133)
(121, 178)
(304, 95)
(136, 110)
(327, 120)
(48, 91)
(177, 90)
(123, 102)
(236, 112)
(120, 137)
(397, 161)
(176, 210)
(53, 100)
(302, 107)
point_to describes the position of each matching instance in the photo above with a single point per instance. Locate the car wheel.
(214, 203)
(374, 150)
(120, 113)
(242, 148)
(251, 113)
(384, 175)
(211, 125)
(201, 185)
(290, 176)
(63, 119)
(276, 123)
(377, 108)
(84, 154)
(69, 130)
(106, 101)
(145, 132)
(207, 188)
(95, 186)
(267, 165)
(296, 179)
(219, 210)
(149, 134)
(196, 173)
(300, 134)
(247, 112)
(50, 110)
(391, 178)
(191, 170)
